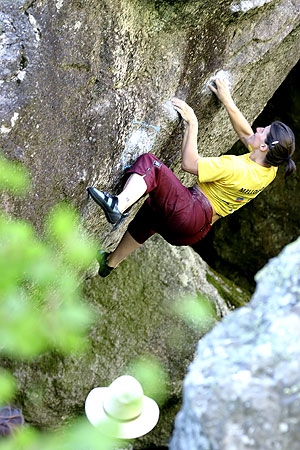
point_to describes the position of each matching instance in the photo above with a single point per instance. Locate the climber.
(181, 215)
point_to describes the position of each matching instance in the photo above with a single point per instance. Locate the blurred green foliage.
(197, 311)
(79, 435)
(41, 306)
(42, 309)
(152, 376)
(13, 177)
(7, 386)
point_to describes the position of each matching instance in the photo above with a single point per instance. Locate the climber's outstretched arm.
(239, 123)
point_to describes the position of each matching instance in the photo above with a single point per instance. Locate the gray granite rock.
(243, 389)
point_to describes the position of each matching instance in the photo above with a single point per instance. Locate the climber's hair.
(10, 419)
(281, 143)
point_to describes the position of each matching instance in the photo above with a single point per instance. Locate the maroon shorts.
(181, 215)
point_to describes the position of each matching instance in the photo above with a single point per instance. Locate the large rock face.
(242, 390)
(74, 77)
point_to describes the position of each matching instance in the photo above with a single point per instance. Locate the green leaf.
(197, 311)
(7, 386)
(13, 177)
(150, 373)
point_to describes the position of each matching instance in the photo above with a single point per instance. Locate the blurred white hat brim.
(104, 409)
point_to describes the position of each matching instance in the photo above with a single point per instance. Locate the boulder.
(76, 76)
(242, 389)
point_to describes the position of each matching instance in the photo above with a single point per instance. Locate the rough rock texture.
(74, 76)
(242, 390)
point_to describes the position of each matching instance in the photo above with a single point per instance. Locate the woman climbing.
(181, 215)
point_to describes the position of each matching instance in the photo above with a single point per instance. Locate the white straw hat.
(122, 409)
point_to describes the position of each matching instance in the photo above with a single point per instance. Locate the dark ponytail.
(281, 143)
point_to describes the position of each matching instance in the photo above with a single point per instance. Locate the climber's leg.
(108, 261)
(126, 246)
(134, 189)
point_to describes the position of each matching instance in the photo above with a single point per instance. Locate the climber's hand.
(219, 86)
(186, 112)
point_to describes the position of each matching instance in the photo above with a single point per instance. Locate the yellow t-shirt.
(230, 181)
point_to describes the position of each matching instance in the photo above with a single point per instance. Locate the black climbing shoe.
(104, 269)
(109, 204)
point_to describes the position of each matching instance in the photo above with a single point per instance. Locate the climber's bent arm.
(189, 149)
